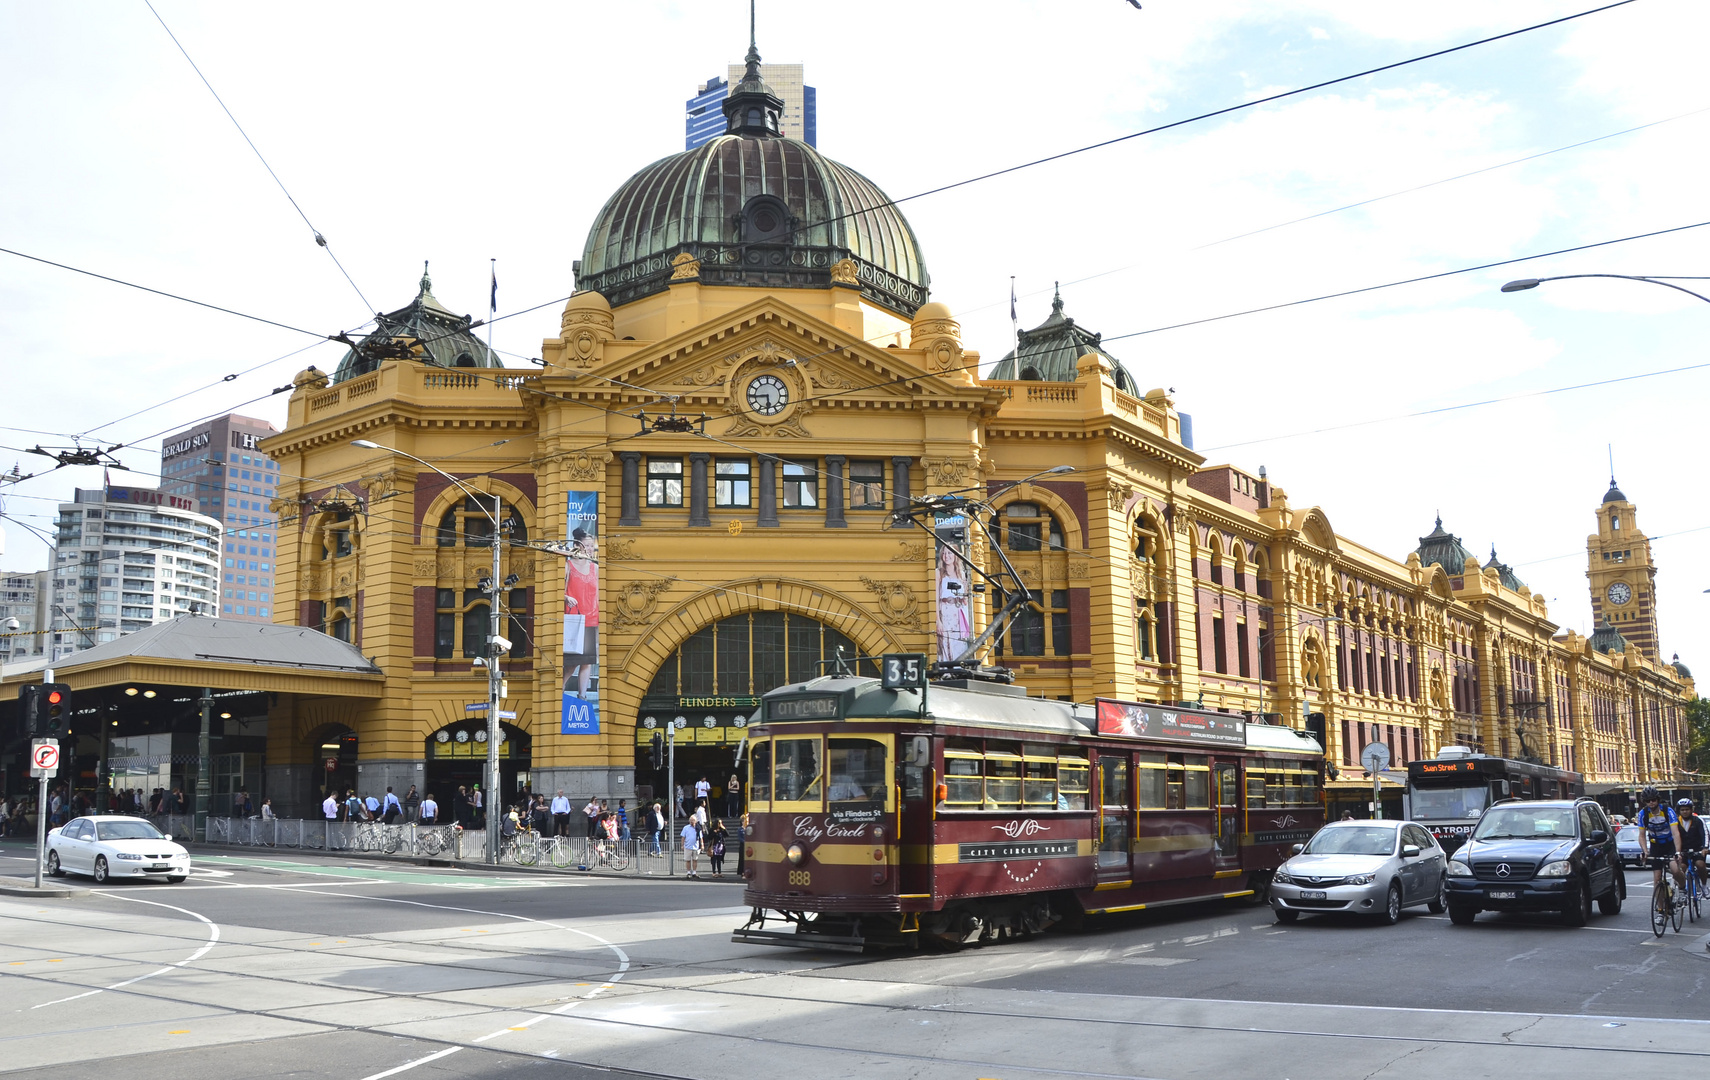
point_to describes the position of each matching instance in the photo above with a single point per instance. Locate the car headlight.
(1559, 868)
(1282, 876)
(1359, 879)
(1457, 868)
(132, 858)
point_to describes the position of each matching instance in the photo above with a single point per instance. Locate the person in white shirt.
(330, 807)
(691, 848)
(560, 814)
(703, 789)
(429, 811)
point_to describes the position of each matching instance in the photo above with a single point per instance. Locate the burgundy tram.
(969, 811)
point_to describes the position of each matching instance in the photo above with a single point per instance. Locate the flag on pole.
(493, 301)
(1012, 316)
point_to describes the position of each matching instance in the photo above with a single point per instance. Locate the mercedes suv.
(1547, 855)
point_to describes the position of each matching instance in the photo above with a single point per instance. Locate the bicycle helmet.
(1650, 795)
(1684, 804)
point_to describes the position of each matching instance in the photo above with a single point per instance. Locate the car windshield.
(1436, 804)
(1525, 823)
(127, 830)
(1352, 840)
(1628, 832)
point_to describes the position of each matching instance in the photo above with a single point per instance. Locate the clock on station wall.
(1619, 593)
(767, 395)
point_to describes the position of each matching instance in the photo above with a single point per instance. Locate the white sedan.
(111, 846)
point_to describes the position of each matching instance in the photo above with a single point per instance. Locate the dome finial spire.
(1057, 297)
(752, 108)
(427, 282)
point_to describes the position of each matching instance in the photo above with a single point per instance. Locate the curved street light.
(1522, 284)
(492, 805)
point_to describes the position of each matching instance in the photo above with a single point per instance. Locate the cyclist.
(1661, 830)
(1692, 837)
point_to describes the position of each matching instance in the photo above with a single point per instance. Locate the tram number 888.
(801, 877)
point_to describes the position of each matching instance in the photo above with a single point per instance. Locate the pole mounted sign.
(44, 757)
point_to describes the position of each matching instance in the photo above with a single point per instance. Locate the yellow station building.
(762, 313)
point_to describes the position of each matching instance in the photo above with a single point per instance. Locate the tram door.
(918, 781)
(1226, 790)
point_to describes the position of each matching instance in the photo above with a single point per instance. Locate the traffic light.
(53, 709)
(29, 709)
(658, 745)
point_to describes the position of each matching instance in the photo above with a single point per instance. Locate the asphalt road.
(316, 967)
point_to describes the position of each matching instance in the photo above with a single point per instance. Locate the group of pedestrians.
(389, 809)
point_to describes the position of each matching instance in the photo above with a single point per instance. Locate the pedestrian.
(390, 808)
(703, 789)
(741, 844)
(330, 807)
(716, 836)
(560, 814)
(682, 807)
(267, 809)
(372, 806)
(429, 811)
(412, 804)
(478, 806)
(542, 815)
(240, 805)
(655, 826)
(700, 815)
(733, 796)
(622, 821)
(691, 847)
(592, 812)
(460, 806)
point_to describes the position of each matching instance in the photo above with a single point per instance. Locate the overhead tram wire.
(319, 239)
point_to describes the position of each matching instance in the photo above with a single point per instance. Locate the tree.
(1698, 735)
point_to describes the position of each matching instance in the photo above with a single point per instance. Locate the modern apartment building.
(26, 597)
(704, 116)
(217, 468)
(127, 558)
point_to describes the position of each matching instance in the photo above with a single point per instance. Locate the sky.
(459, 134)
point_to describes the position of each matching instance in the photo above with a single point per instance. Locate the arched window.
(1144, 632)
(340, 628)
(470, 522)
(1145, 537)
(1026, 526)
(1216, 558)
(447, 532)
(462, 622)
(746, 655)
(464, 360)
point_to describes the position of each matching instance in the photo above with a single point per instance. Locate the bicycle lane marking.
(213, 939)
(622, 970)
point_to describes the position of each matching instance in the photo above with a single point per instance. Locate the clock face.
(1619, 593)
(767, 394)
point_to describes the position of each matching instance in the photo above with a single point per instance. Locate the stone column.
(768, 492)
(630, 498)
(834, 492)
(698, 490)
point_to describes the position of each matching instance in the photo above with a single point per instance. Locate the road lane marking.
(213, 939)
(448, 1051)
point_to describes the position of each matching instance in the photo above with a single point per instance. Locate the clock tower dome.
(1622, 576)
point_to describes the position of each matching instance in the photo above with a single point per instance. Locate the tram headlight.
(796, 854)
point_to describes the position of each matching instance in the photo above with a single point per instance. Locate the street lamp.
(1523, 284)
(496, 643)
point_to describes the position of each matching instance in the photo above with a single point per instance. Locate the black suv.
(1547, 855)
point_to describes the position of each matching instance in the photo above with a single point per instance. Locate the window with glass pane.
(801, 483)
(867, 485)
(1003, 777)
(759, 772)
(1196, 783)
(1022, 530)
(1152, 781)
(732, 484)
(475, 627)
(445, 624)
(699, 663)
(857, 771)
(804, 649)
(733, 656)
(795, 770)
(1039, 779)
(664, 481)
(962, 779)
(1060, 638)
(522, 640)
(1113, 830)
(1073, 780)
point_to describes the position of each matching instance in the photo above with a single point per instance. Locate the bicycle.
(1694, 889)
(521, 848)
(1664, 907)
(433, 839)
(609, 853)
(557, 849)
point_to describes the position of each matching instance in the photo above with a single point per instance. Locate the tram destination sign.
(1436, 768)
(1126, 719)
(803, 708)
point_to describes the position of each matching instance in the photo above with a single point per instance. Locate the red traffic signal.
(54, 696)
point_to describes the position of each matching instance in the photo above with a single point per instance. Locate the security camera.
(501, 643)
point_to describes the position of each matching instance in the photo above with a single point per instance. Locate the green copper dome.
(1444, 549)
(447, 340)
(1051, 352)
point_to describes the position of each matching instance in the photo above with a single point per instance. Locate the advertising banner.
(1170, 725)
(953, 584)
(582, 617)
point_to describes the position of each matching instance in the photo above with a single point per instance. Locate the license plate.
(159, 869)
(1503, 894)
(1314, 894)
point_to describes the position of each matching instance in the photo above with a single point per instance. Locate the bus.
(1447, 793)
(965, 811)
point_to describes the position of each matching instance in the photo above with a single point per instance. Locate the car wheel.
(1392, 905)
(1462, 915)
(1284, 915)
(1441, 900)
(100, 869)
(53, 867)
(1611, 904)
(1578, 911)
(176, 879)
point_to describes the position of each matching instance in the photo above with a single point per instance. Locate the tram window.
(1039, 779)
(1255, 790)
(857, 770)
(795, 770)
(1151, 781)
(962, 778)
(1308, 788)
(1073, 777)
(1113, 821)
(1003, 781)
(759, 772)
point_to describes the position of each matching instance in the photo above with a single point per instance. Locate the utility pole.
(204, 782)
(492, 802)
(671, 796)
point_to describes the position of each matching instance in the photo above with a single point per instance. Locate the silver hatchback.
(1362, 867)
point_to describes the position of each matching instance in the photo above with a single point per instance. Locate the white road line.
(213, 939)
(412, 1064)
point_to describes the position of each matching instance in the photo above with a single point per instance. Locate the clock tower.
(1622, 576)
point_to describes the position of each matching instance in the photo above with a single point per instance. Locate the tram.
(1447, 793)
(962, 811)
